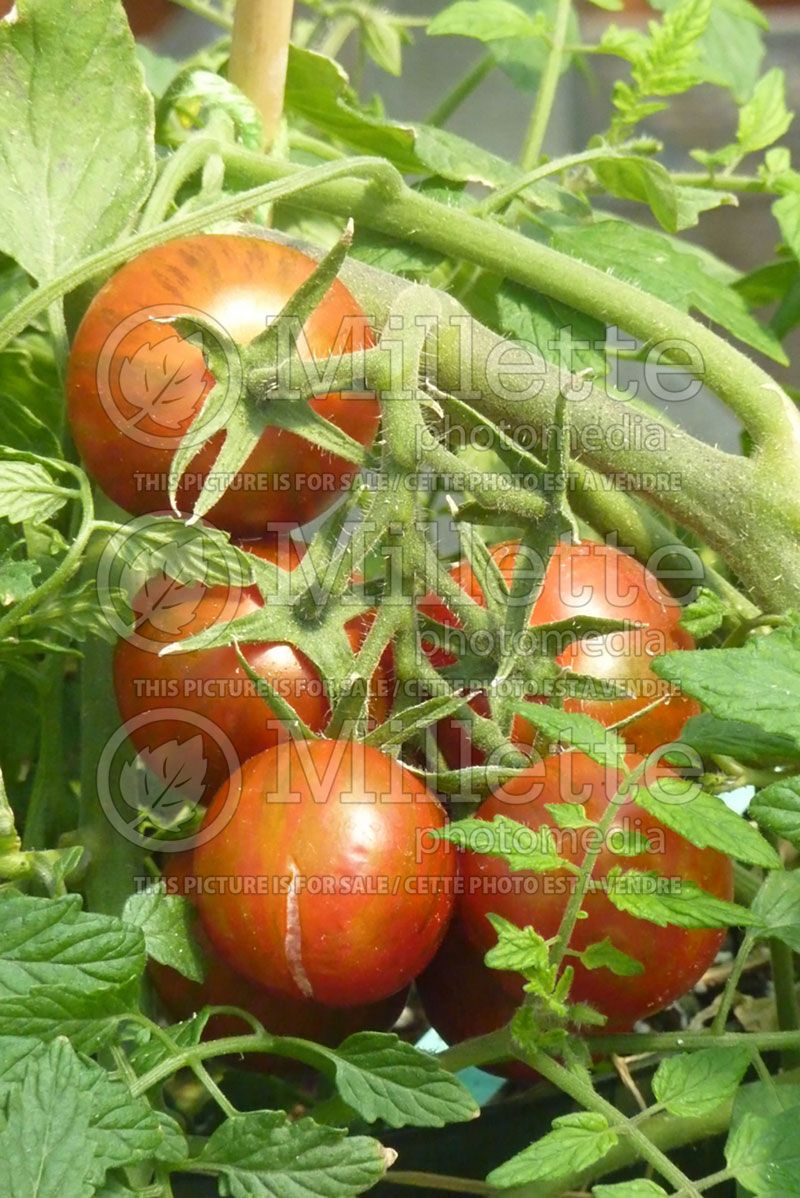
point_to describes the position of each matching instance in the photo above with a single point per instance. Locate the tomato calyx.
(264, 384)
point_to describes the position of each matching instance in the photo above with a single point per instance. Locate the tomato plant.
(538, 442)
(333, 837)
(135, 387)
(213, 683)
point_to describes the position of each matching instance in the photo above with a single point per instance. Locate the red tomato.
(280, 1015)
(135, 386)
(345, 895)
(212, 683)
(674, 959)
(597, 581)
(463, 998)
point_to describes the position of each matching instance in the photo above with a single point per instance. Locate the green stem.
(634, 1043)
(465, 87)
(49, 789)
(548, 86)
(729, 993)
(439, 1181)
(498, 199)
(585, 1094)
(739, 183)
(186, 160)
(785, 983)
(708, 1183)
(480, 1050)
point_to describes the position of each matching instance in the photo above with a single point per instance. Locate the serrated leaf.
(777, 905)
(382, 1077)
(569, 815)
(52, 942)
(666, 901)
(764, 1154)
(577, 1142)
(765, 117)
(694, 1084)
(704, 615)
(88, 1018)
(575, 729)
(705, 820)
(74, 191)
(744, 742)
(776, 809)
(166, 921)
(641, 1188)
(27, 492)
(264, 1154)
(43, 1142)
(522, 950)
(757, 684)
(520, 846)
(604, 955)
(16, 580)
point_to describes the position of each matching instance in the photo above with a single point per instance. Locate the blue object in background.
(482, 1086)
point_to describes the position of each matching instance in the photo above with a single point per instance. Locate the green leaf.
(705, 820)
(521, 950)
(382, 40)
(777, 905)
(75, 615)
(604, 955)
(576, 1143)
(569, 815)
(485, 20)
(166, 921)
(44, 1147)
(673, 272)
(52, 943)
(196, 99)
(667, 901)
(382, 1077)
(764, 118)
(757, 684)
(264, 1154)
(16, 580)
(89, 1018)
(407, 723)
(520, 846)
(776, 809)
(694, 1084)
(643, 180)
(704, 615)
(76, 132)
(580, 731)
(27, 492)
(786, 211)
(764, 1154)
(713, 737)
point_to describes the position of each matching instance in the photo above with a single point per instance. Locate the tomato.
(327, 883)
(211, 683)
(135, 386)
(463, 998)
(280, 1015)
(593, 580)
(673, 959)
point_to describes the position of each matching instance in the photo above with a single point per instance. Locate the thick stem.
(260, 57)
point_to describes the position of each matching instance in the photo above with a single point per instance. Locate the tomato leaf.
(485, 20)
(757, 684)
(667, 901)
(576, 729)
(522, 847)
(763, 1153)
(776, 809)
(604, 955)
(166, 921)
(577, 1142)
(706, 614)
(28, 492)
(713, 737)
(73, 191)
(704, 820)
(777, 905)
(382, 1077)
(264, 1153)
(694, 1084)
(641, 1188)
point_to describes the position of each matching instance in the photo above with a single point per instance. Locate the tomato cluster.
(325, 889)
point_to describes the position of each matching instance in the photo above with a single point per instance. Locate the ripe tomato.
(211, 683)
(598, 581)
(280, 1015)
(673, 958)
(135, 386)
(326, 883)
